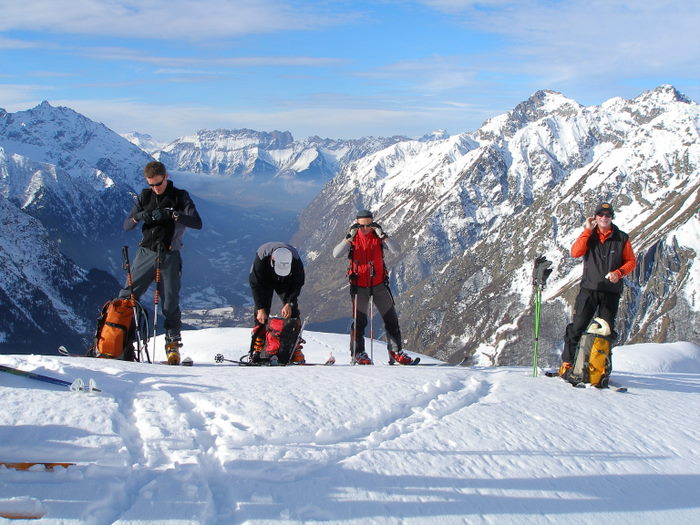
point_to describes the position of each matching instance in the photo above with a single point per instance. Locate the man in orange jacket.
(607, 257)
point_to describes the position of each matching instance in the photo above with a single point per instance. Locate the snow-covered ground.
(222, 444)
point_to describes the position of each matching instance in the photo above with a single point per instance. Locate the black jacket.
(601, 259)
(263, 278)
(168, 235)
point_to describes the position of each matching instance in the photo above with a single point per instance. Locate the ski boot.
(298, 356)
(172, 350)
(399, 357)
(565, 370)
(362, 359)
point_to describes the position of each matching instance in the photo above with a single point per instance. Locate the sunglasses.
(604, 214)
(365, 225)
(157, 183)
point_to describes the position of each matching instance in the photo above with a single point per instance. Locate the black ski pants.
(384, 302)
(588, 302)
(143, 273)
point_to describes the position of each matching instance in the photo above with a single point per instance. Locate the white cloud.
(167, 122)
(564, 42)
(161, 19)
(13, 43)
(133, 55)
(17, 97)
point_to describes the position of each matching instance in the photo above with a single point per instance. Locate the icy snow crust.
(221, 444)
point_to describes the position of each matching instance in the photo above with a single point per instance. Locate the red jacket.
(367, 260)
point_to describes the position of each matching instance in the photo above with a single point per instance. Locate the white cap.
(282, 261)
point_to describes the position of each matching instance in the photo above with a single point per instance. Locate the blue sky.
(338, 69)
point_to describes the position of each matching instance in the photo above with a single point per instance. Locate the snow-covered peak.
(86, 150)
(663, 94)
(250, 154)
(144, 141)
(438, 134)
(470, 211)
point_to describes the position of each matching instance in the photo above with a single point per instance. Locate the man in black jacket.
(165, 212)
(277, 268)
(607, 257)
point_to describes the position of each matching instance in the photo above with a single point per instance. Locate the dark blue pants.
(143, 273)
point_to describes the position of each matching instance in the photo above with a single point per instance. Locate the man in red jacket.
(607, 257)
(365, 243)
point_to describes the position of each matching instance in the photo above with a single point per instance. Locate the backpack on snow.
(592, 363)
(277, 338)
(117, 330)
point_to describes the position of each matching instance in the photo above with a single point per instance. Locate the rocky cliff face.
(473, 211)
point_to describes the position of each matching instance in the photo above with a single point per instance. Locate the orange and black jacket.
(604, 253)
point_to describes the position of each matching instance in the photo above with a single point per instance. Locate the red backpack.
(277, 338)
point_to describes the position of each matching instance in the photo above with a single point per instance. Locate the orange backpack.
(116, 330)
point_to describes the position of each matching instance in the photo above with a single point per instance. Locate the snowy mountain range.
(245, 153)
(472, 212)
(66, 185)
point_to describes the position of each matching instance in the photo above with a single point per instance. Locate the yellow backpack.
(592, 363)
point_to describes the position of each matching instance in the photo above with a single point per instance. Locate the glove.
(378, 230)
(352, 232)
(144, 216)
(160, 216)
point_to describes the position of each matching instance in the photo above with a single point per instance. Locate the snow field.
(221, 444)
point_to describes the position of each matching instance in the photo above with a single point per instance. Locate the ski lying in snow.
(26, 465)
(462, 363)
(21, 508)
(76, 386)
(21, 514)
(614, 388)
(219, 358)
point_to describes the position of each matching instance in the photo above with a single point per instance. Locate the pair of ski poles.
(143, 340)
(540, 273)
(371, 317)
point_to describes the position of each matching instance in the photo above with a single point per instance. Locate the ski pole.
(371, 311)
(141, 345)
(353, 332)
(371, 328)
(538, 304)
(540, 273)
(156, 297)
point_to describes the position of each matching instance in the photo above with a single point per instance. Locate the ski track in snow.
(221, 444)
